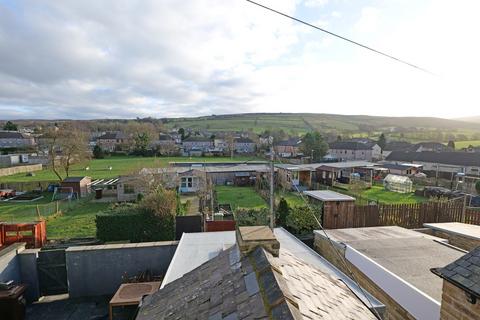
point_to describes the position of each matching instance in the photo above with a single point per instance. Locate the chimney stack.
(248, 238)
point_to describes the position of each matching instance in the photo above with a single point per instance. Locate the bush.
(282, 212)
(301, 219)
(98, 152)
(130, 222)
(477, 186)
(252, 217)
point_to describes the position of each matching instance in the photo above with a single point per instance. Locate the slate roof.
(437, 146)
(12, 135)
(112, 136)
(257, 286)
(197, 139)
(463, 272)
(451, 158)
(351, 145)
(397, 145)
(164, 137)
(293, 142)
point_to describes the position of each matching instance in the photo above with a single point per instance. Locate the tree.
(382, 141)
(10, 126)
(160, 201)
(142, 134)
(477, 186)
(98, 152)
(314, 145)
(451, 144)
(282, 212)
(65, 147)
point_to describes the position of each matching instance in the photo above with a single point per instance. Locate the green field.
(98, 168)
(378, 193)
(465, 144)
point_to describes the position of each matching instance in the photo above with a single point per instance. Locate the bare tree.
(65, 147)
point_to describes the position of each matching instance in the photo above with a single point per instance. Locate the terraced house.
(15, 139)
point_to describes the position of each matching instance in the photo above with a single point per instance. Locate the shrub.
(301, 219)
(477, 186)
(133, 223)
(98, 152)
(282, 212)
(252, 217)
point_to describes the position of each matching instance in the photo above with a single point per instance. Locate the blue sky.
(124, 58)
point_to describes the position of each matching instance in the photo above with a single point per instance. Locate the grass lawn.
(384, 196)
(120, 166)
(293, 198)
(73, 223)
(240, 197)
(76, 223)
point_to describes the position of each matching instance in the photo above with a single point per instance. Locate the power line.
(343, 38)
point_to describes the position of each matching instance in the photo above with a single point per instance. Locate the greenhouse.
(399, 184)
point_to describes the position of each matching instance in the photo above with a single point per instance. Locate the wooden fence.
(404, 215)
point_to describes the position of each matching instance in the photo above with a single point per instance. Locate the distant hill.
(302, 122)
(475, 119)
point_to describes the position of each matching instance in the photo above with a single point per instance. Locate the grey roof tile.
(464, 272)
(262, 287)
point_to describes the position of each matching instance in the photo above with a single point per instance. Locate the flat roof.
(348, 164)
(194, 249)
(328, 195)
(406, 253)
(458, 228)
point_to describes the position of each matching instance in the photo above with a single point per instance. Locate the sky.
(164, 58)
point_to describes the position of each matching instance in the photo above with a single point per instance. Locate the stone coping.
(121, 246)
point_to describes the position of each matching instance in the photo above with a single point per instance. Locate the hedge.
(133, 224)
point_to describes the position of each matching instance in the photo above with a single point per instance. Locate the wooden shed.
(79, 185)
(335, 206)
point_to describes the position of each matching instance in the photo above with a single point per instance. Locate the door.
(52, 272)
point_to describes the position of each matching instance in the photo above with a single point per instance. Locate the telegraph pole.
(272, 195)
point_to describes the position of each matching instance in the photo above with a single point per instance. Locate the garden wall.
(20, 169)
(98, 270)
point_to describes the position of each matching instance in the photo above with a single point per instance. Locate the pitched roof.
(351, 145)
(12, 135)
(257, 286)
(292, 142)
(463, 272)
(112, 136)
(197, 138)
(164, 137)
(451, 158)
(437, 146)
(397, 166)
(397, 145)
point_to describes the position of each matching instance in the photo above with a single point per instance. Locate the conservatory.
(397, 183)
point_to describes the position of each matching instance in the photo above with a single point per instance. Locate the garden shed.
(395, 183)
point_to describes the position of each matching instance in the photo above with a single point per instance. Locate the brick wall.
(393, 309)
(455, 305)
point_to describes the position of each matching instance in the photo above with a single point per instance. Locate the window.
(187, 182)
(128, 188)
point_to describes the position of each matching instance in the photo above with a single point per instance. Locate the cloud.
(124, 58)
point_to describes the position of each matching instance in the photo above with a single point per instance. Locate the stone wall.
(20, 169)
(393, 309)
(9, 263)
(457, 240)
(455, 305)
(98, 270)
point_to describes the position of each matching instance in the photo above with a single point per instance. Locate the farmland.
(99, 168)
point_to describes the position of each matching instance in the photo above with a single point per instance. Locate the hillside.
(470, 119)
(302, 122)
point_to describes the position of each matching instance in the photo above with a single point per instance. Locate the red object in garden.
(34, 234)
(7, 193)
(220, 225)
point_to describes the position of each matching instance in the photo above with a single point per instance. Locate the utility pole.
(312, 156)
(272, 195)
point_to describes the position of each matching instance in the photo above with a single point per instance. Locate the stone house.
(15, 139)
(355, 150)
(112, 141)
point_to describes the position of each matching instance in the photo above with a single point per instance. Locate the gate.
(52, 272)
